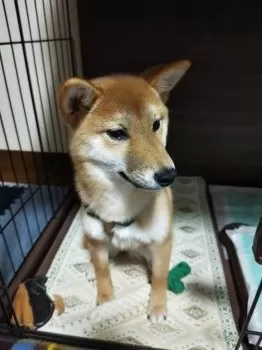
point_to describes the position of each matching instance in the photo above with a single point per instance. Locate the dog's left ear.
(165, 77)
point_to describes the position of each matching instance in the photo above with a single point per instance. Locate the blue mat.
(236, 204)
(23, 217)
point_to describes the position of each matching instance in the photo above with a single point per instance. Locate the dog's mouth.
(138, 184)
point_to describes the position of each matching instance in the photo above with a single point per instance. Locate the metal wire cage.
(36, 56)
(245, 331)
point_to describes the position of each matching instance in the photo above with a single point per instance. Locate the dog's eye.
(156, 125)
(118, 134)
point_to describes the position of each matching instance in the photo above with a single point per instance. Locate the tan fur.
(161, 254)
(22, 308)
(101, 266)
(132, 104)
(160, 267)
(59, 304)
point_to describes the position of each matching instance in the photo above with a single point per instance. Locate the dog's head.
(120, 123)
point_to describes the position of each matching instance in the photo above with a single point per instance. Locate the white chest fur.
(130, 237)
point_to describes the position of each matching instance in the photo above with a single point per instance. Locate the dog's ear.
(76, 97)
(165, 77)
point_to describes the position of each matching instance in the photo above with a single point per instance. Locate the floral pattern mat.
(199, 319)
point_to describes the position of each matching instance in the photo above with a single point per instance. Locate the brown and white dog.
(123, 172)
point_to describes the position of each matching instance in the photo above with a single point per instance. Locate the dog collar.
(91, 212)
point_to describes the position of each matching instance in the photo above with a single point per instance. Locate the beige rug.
(199, 319)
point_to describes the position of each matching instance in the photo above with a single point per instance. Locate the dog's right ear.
(76, 97)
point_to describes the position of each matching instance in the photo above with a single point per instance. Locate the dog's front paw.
(103, 298)
(157, 313)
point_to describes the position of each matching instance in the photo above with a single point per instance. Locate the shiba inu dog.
(123, 172)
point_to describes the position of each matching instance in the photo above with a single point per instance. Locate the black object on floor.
(41, 304)
(257, 245)
(8, 194)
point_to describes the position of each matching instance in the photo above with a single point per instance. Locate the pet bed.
(241, 205)
(199, 319)
(246, 270)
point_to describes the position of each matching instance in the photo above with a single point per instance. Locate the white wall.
(56, 66)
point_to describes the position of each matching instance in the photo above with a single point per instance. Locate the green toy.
(175, 275)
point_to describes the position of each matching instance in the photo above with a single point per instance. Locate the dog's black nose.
(166, 176)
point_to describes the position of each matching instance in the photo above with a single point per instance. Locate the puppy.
(123, 172)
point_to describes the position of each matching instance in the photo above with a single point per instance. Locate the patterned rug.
(199, 319)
